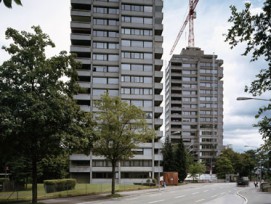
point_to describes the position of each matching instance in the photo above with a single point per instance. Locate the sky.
(211, 23)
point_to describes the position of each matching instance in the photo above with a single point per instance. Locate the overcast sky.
(211, 23)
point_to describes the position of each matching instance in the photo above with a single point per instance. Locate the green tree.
(180, 157)
(223, 167)
(54, 167)
(255, 31)
(168, 155)
(196, 169)
(8, 3)
(121, 127)
(38, 116)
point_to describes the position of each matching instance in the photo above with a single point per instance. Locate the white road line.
(152, 195)
(156, 201)
(214, 196)
(199, 200)
(132, 198)
(180, 196)
(195, 193)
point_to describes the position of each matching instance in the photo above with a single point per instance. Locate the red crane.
(190, 17)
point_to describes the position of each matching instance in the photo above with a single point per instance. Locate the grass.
(80, 189)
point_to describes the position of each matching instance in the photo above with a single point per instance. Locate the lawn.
(80, 189)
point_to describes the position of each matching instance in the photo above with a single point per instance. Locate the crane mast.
(189, 18)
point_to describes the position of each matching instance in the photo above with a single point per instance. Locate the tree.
(56, 167)
(180, 160)
(223, 167)
(196, 169)
(8, 3)
(255, 31)
(168, 155)
(121, 127)
(38, 116)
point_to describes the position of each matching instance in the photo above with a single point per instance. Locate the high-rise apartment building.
(119, 43)
(194, 103)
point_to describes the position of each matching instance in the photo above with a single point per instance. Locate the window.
(134, 31)
(133, 19)
(105, 68)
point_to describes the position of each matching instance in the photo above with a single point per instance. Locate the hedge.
(59, 185)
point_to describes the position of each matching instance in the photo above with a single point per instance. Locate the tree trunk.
(113, 177)
(34, 180)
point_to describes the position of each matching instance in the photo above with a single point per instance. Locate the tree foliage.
(175, 158)
(8, 3)
(229, 162)
(196, 169)
(255, 31)
(38, 116)
(223, 167)
(180, 158)
(168, 155)
(120, 129)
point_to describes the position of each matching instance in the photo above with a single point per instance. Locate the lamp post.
(251, 98)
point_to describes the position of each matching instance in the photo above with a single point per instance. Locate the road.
(203, 193)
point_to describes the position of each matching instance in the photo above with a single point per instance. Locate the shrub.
(59, 185)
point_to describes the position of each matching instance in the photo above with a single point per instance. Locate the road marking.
(180, 196)
(156, 201)
(214, 196)
(195, 193)
(199, 200)
(132, 198)
(205, 191)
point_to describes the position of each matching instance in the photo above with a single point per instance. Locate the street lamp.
(250, 98)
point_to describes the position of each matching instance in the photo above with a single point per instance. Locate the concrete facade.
(119, 43)
(194, 103)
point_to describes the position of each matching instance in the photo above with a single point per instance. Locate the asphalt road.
(203, 193)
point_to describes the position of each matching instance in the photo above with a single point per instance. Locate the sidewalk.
(87, 198)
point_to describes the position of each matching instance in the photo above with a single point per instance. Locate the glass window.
(137, 43)
(147, 8)
(137, 67)
(125, 43)
(98, 92)
(148, 44)
(148, 68)
(113, 80)
(147, 56)
(137, 103)
(147, 103)
(137, 20)
(113, 69)
(125, 66)
(113, 57)
(113, 92)
(113, 45)
(148, 79)
(99, 80)
(147, 20)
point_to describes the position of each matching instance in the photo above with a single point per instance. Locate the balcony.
(77, 24)
(82, 97)
(80, 2)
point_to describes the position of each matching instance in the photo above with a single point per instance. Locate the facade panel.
(119, 44)
(194, 103)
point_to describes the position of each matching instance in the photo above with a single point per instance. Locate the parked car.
(243, 181)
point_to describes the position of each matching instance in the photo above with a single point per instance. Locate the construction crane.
(190, 18)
